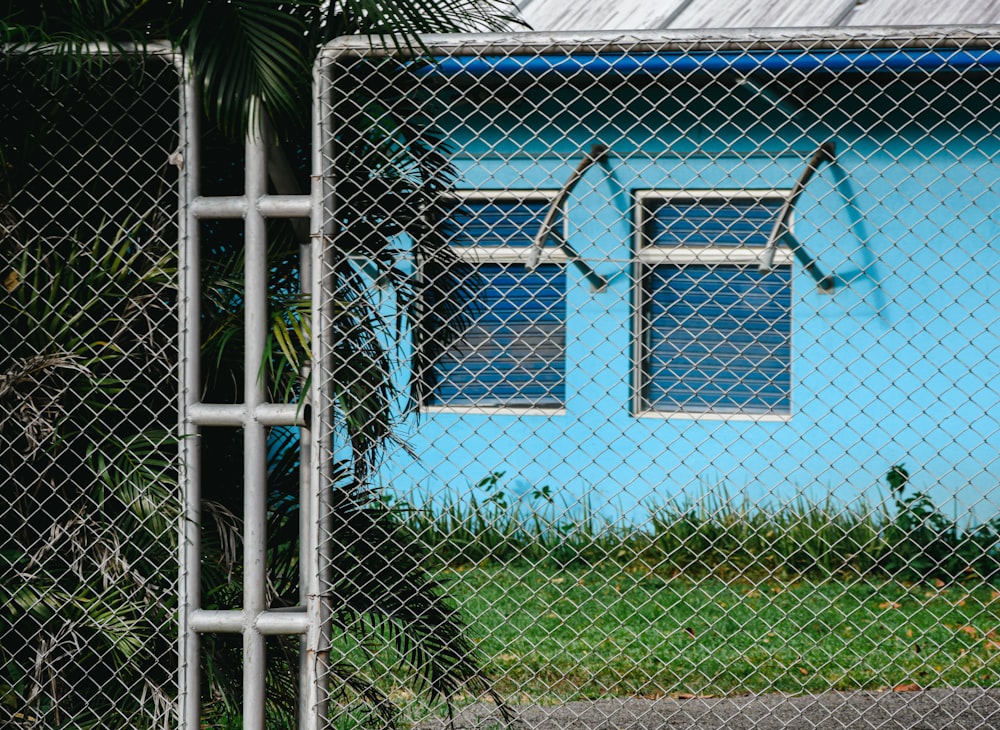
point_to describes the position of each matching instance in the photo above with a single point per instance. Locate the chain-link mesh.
(88, 389)
(699, 342)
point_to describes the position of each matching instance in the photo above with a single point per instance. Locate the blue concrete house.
(759, 263)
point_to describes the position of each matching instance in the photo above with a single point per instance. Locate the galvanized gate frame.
(254, 621)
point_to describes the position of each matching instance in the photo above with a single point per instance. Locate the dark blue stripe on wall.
(515, 353)
(714, 62)
(718, 339)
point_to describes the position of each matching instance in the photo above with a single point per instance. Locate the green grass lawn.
(553, 635)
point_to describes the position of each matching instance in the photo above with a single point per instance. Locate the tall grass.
(496, 527)
(718, 535)
(712, 534)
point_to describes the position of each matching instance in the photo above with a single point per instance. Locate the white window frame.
(507, 255)
(647, 256)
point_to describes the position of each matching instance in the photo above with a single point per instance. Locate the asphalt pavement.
(935, 709)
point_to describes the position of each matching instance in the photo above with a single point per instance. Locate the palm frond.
(261, 55)
(380, 580)
(399, 24)
(394, 177)
(363, 367)
(58, 38)
(288, 347)
(97, 601)
(33, 397)
(137, 473)
(355, 694)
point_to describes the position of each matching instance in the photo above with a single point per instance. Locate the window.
(714, 333)
(514, 354)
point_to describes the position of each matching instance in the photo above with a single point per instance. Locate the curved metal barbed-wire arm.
(595, 154)
(782, 230)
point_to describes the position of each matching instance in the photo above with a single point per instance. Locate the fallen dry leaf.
(11, 281)
(888, 604)
(906, 688)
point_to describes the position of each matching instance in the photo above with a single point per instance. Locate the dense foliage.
(89, 568)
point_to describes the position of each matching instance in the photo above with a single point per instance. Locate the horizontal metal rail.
(799, 40)
(237, 206)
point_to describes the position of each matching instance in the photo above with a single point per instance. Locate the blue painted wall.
(899, 364)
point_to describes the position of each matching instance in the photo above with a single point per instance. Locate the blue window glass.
(499, 223)
(716, 337)
(514, 354)
(704, 222)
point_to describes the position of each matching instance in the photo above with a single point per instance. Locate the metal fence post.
(316, 678)
(255, 433)
(189, 268)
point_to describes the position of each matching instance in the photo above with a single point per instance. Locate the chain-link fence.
(648, 374)
(88, 467)
(700, 341)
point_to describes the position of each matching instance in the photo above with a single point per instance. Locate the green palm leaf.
(259, 54)
(382, 587)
